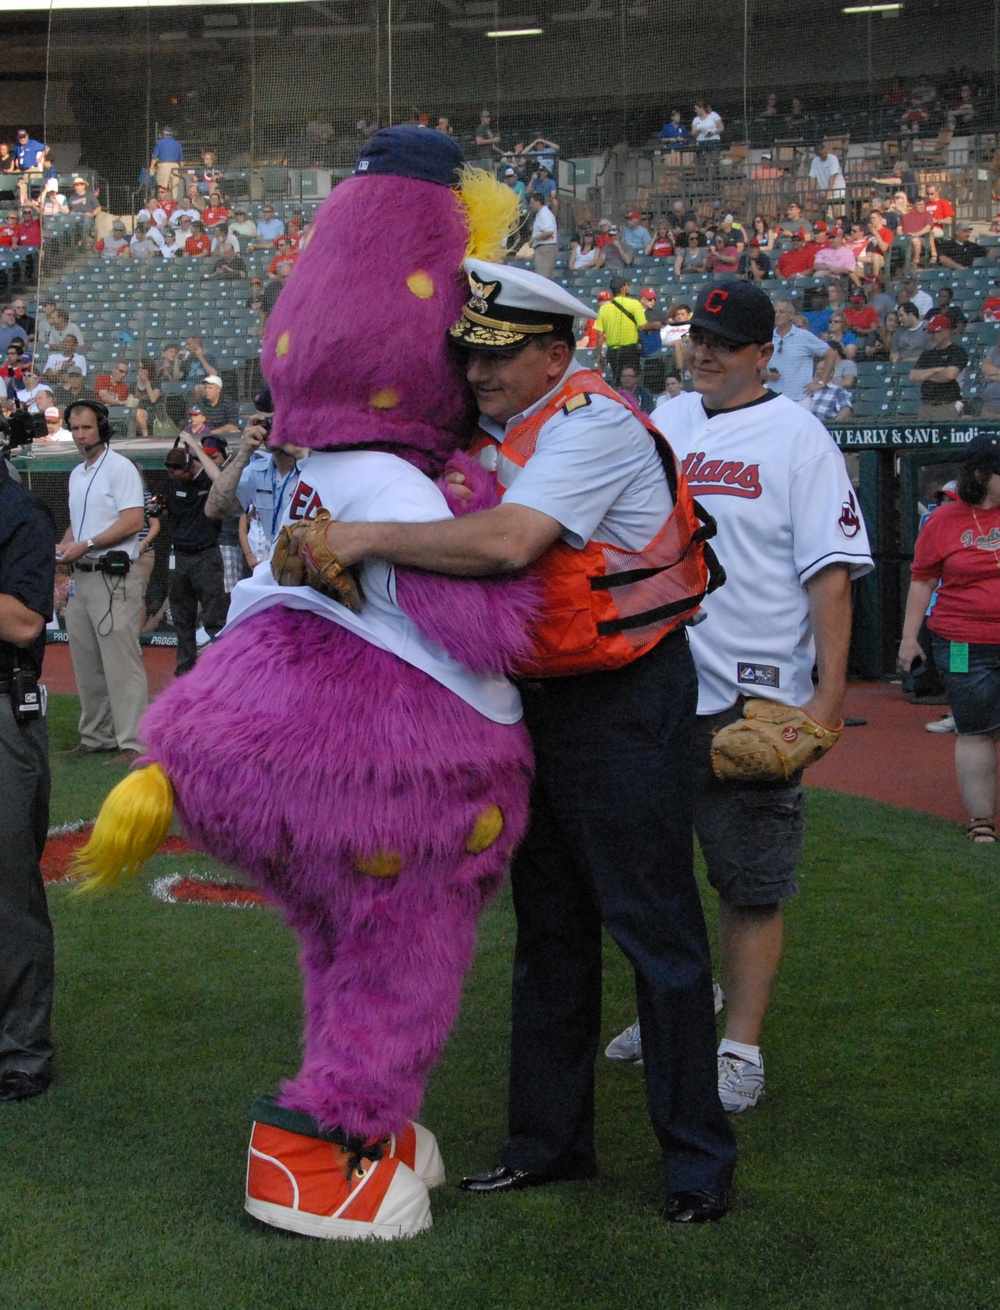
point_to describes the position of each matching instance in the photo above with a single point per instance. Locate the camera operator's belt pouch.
(115, 563)
(25, 695)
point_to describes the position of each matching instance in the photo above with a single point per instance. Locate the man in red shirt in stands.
(942, 210)
(111, 388)
(798, 261)
(199, 244)
(861, 316)
(285, 255)
(216, 211)
(29, 230)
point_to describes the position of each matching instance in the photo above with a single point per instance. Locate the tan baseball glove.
(301, 558)
(770, 743)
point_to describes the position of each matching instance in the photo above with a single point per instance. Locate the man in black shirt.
(196, 575)
(960, 253)
(27, 575)
(937, 370)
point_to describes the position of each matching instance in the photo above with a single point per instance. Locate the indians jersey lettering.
(785, 509)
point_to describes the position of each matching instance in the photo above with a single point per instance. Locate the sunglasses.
(699, 337)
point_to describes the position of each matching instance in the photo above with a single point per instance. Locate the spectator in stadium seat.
(723, 257)
(271, 290)
(147, 393)
(861, 317)
(918, 226)
(879, 347)
(170, 245)
(794, 223)
(199, 244)
(54, 430)
(542, 184)
(938, 371)
(632, 389)
(229, 264)
(912, 290)
(221, 414)
(81, 199)
(845, 343)
(681, 216)
(21, 316)
(797, 262)
(8, 230)
(662, 244)
(990, 370)
(192, 203)
(216, 211)
(198, 366)
(873, 258)
(760, 232)
(911, 339)
(962, 115)
(962, 252)
(209, 175)
(991, 304)
(61, 326)
(692, 256)
(28, 233)
(14, 369)
(583, 253)
(285, 255)
(29, 156)
(172, 366)
(65, 356)
(8, 164)
(53, 202)
(543, 238)
(826, 171)
(10, 329)
(142, 245)
(443, 125)
(112, 388)
(947, 306)
(754, 265)
(43, 323)
(796, 351)
(166, 160)
(830, 403)
(942, 211)
(827, 301)
(70, 387)
(836, 260)
(114, 246)
(241, 226)
(183, 227)
(798, 119)
(269, 228)
(675, 132)
(487, 140)
(635, 234)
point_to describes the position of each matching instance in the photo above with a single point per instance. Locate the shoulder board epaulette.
(577, 402)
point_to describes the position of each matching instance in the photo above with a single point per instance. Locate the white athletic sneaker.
(202, 639)
(627, 1046)
(741, 1083)
(944, 724)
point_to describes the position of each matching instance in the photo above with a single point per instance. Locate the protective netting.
(282, 95)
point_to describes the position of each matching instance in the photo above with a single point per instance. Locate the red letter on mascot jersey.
(305, 503)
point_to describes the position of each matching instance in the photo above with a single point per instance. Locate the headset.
(100, 412)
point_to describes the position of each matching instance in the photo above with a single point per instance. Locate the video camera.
(21, 428)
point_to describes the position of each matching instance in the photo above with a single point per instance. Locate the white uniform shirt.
(776, 483)
(372, 486)
(97, 497)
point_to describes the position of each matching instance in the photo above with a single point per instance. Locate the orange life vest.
(604, 606)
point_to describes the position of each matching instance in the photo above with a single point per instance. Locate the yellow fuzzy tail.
(492, 211)
(133, 821)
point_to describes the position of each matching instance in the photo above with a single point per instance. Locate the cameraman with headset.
(103, 612)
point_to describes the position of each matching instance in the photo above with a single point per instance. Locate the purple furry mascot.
(378, 757)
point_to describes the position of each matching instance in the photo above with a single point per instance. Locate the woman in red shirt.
(959, 548)
(662, 243)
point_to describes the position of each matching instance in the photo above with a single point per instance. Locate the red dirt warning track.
(891, 759)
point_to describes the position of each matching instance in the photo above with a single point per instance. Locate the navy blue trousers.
(610, 842)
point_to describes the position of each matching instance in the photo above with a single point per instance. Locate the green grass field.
(865, 1175)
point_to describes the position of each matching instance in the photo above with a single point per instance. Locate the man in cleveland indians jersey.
(791, 539)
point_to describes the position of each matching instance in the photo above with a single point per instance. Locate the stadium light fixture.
(516, 31)
(871, 9)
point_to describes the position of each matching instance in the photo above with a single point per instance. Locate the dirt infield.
(891, 759)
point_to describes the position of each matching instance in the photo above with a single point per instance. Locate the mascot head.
(356, 350)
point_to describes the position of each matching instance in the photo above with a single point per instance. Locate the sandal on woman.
(982, 832)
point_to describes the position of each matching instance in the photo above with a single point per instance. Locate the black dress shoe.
(504, 1179)
(695, 1208)
(16, 1085)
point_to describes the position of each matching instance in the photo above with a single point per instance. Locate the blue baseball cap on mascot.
(736, 311)
(416, 152)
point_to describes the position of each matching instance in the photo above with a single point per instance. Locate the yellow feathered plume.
(492, 211)
(133, 821)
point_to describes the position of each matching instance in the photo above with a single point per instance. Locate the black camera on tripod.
(21, 428)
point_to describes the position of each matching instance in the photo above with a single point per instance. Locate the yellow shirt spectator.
(618, 328)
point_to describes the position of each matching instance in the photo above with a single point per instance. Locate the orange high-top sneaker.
(417, 1147)
(300, 1179)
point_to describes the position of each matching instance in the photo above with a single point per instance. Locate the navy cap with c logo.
(735, 311)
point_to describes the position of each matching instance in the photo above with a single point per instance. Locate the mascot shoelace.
(366, 767)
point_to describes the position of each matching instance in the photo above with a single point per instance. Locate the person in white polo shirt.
(102, 615)
(544, 240)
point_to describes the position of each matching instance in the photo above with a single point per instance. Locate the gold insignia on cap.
(477, 335)
(481, 292)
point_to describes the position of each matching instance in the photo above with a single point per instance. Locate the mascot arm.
(484, 623)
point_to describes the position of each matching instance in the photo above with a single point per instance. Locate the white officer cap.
(509, 306)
